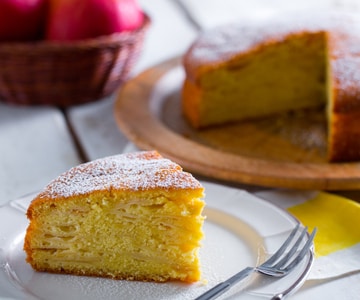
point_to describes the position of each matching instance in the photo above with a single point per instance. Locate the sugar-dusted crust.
(224, 47)
(138, 171)
(344, 113)
(215, 47)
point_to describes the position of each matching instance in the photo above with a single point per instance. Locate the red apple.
(21, 19)
(81, 19)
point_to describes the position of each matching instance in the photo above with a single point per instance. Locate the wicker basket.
(65, 74)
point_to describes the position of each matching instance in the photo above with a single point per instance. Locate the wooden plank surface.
(210, 13)
(35, 146)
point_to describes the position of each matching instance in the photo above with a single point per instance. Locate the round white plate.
(241, 230)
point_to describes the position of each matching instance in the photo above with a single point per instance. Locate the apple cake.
(134, 216)
(286, 63)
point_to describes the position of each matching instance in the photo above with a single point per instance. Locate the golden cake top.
(146, 170)
(216, 45)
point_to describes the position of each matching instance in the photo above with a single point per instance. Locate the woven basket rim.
(55, 46)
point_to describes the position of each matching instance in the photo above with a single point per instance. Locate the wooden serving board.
(287, 151)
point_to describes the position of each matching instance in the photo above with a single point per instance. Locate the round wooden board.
(287, 151)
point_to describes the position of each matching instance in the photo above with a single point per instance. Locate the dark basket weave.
(64, 74)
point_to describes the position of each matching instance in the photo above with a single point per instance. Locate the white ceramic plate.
(241, 230)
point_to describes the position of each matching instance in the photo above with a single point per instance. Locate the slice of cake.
(133, 216)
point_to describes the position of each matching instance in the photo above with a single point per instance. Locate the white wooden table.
(38, 143)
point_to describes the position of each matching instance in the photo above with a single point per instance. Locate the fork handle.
(222, 287)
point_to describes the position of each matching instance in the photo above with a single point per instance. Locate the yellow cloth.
(336, 218)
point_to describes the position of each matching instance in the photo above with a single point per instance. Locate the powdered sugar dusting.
(346, 70)
(144, 170)
(222, 43)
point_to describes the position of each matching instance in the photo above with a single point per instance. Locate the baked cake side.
(134, 216)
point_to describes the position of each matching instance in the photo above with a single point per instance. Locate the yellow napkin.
(337, 242)
(336, 218)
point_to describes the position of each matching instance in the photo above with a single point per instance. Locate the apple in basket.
(21, 20)
(70, 20)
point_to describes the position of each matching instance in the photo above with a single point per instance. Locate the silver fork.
(278, 265)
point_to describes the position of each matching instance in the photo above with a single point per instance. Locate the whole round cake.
(260, 68)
